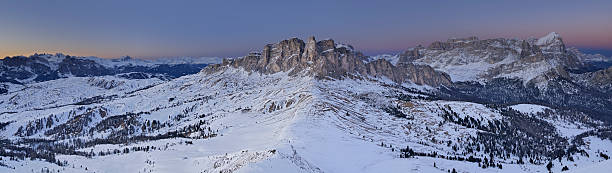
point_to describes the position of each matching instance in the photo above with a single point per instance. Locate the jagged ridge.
(327, 59)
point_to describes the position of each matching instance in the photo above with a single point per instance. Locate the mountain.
(44, 67)
(595, 61)
(510, 71)
(471, 59)
(321, 106)
(326, 59)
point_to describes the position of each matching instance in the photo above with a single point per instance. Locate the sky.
(229, 28)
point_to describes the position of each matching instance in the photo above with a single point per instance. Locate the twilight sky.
(151, 28)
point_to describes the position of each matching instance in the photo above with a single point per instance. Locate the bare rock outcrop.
(325, 59)
(602, 78)
(472, 59)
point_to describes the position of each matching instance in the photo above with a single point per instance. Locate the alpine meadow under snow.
(461, 105)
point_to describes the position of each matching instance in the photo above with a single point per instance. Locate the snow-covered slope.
(66, 91)
(393, 59)
(267, 123)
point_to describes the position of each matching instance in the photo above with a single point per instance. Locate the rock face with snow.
(593, 61)
(497, 71)
(603, 76)
(44, 67)
(552, 43)
(506, 71)
(601, 79)
(328, 59)
(471, 59)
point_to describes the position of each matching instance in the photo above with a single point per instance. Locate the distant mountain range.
(44, 67)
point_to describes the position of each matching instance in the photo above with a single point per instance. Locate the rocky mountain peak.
(548, 39)
(552, 42)
(327, 59)
(311, 50)
(473, 59)
(125, 58)
(467, 39)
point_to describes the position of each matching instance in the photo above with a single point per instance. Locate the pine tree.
(549, 166)
(565, 168)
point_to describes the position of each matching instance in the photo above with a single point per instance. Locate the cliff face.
(602, 79)
(472, 59)
(327, 59)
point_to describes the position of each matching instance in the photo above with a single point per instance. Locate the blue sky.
(232, 28)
